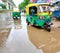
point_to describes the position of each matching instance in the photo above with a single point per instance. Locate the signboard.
(31, 1)
(40, 1)
(48, 1)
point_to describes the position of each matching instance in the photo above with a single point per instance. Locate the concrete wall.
(4, 15)
(8, 5)
(6, 20)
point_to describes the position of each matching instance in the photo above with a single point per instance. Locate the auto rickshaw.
(16, 13)
(39, 15)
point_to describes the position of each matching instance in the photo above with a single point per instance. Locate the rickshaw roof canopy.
(37, 4)
(15, 9)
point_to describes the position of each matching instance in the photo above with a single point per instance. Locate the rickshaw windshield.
(44, 8)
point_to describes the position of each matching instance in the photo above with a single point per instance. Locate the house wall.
(9, 4)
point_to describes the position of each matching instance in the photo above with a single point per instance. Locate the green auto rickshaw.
(39, 15)
(16, 13)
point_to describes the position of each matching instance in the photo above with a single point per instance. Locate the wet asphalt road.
(17, 40)
(28, 39)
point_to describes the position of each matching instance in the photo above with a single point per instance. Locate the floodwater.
(4, 35)
(17, 40)
(29, 39)
(42, 39)
(17, 23)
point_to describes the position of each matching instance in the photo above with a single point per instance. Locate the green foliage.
(23, 4)
(3, 6)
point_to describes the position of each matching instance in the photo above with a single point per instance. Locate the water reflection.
(17, 23)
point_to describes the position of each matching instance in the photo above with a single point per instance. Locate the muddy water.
(48, 41)
(4, 33)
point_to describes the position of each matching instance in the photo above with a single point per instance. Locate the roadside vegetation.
(3, 6)
(23, 4)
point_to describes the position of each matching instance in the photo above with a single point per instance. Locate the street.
(29, 39)
(29, 26)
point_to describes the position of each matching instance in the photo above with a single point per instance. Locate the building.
(9, 4)
(6, 14)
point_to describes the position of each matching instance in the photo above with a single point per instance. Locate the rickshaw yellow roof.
(36, 4)
(29, 5)
(15, 9)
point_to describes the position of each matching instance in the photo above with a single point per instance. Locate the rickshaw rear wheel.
(48, 29)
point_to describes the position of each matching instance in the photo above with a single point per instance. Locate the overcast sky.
(17, 2)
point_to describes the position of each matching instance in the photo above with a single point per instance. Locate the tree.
(23, 4)
(3, 6)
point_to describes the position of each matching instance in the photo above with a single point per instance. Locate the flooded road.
(17, 23)
(4, 35)
(29, 39)
(42, 39)
(18, 41)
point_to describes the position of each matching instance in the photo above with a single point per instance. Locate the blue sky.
(17, 2)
